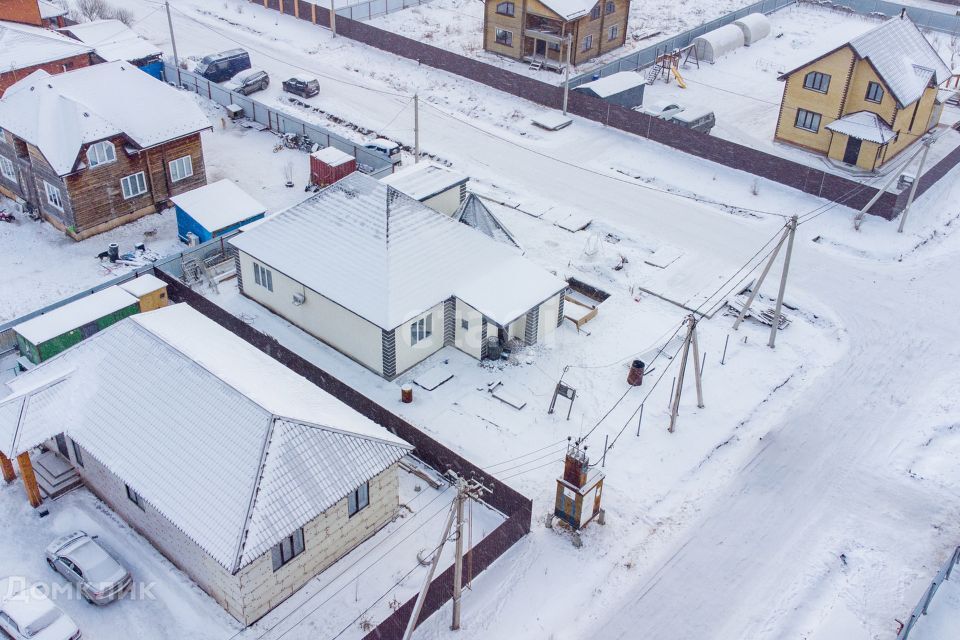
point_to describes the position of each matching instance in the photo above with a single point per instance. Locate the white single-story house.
(388, 281)
(245, 475)
(439, 188)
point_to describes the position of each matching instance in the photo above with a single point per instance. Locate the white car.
(26, 613)
(79, 559)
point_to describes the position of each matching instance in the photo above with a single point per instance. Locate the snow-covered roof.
(142, 285)
(863, 125)
(387, 258)
(24, 46)
(570, 9)
(475, 214)
(113, 40)
(59, 114)
(903, 57)
(423, 181)
(332, 157)
(233, 448)
(49, 10)
(74, 314)
(219, 204)
(755, 26)
(614, 83)
(719, 42)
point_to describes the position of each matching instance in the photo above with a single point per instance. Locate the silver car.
(79, 559)
(26, 613)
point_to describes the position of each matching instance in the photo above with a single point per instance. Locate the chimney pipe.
(903, 12)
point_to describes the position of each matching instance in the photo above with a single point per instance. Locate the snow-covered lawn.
(943, 614)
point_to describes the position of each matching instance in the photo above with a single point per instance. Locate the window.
(134, 497)
(595, 12)
(588, 43)
(288, 549)
(816, 81)
(76, 453)
(134, 185)
(505, 37)
(359, 499)
(21, 148)
(181, 168)
(421, 329)
(614, 32)
(611, 7)
(53, 195)
(506, 9)
(263, 276)
(807, 120)
(6, 168)
(874, 92)
(553, 46)
(101, 153)
(464, 324)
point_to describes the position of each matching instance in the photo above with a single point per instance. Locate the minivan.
(218, 67)
(386, 147)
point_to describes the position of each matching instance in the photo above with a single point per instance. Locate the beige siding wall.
(409, 354)
(863, 75)
(447, 202)
(212, 577)
(514, 25)
(907, 134)
(343, 330)
(469, 340)
(868, 159)
(326, 539)
(829, 105)
(548, 317)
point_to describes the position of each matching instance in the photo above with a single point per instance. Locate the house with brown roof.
(25, 48)
(864, 102)
(537, 31)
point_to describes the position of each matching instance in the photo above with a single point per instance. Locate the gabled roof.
(423, 181)
(59, 114)
(901, 55)
(475, 214)
(863, 125)
(233, 448)
(49, 10)
(388, 258)
(23, 46)
(113, 40)
(74, 314)
(570, 9)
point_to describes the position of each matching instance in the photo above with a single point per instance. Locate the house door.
(853, 151)
(540, 47)
(62, 446)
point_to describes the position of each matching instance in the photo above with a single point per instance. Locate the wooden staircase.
(55, 476)
(536, 65)
(654, 73)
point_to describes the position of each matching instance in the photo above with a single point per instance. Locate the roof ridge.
(254, 495)
(359, 436)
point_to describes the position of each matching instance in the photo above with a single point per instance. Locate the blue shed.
(215, 209)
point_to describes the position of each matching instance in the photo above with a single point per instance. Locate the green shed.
(47, 335)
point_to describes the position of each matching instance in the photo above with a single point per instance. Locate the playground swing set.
(667, 64)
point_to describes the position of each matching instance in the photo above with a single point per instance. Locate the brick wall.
(8, 78)
(23, 11)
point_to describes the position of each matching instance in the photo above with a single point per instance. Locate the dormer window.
(101, 153)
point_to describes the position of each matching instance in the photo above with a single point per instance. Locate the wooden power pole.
(416, 128)
(689, 341)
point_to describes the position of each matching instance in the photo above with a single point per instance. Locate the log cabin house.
(98, 147)
(864, 102)
(536, 31)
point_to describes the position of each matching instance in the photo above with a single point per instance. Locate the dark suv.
(218, 67)
(302, 86)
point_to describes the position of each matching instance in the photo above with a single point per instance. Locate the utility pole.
(418, 607)
(688, 341)
(416, 128)
(566, 74)
(763, 274)
(792, 227)
(173, 41)
(465, 490)
(927, 143)
(333, 18)
(858, 219)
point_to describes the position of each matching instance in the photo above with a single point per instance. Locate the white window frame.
(588, 42)
(7, 169)
(508, 38)
(263, 276)
(181, 168)
(421, 329)
(358, 500)
(614, 32)
(817, 81)
(810, 120)
(101, 153)
(54, 197)
(874, 92)
(127, 183)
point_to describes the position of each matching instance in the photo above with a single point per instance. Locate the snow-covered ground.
(943, 614)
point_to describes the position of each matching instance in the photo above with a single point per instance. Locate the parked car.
(27, 614)
(218, 67)
(79, 559)
(250, 81)
(302, 86)
(386, 147)
(702, 120)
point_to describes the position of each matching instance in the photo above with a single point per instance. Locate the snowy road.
(826, 481)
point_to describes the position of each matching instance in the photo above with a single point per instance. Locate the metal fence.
(926, 18)
(921, 608)
(368, 161)
(376, 8)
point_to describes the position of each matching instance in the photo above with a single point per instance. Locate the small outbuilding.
(45, 336)
(755, 26)
(113, 41)
(215, 209)
(719, 42)
(329, 165)
(624, 88)
(439, 188)
(150, 290)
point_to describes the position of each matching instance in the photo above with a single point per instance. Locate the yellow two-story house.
(537, 31)
(866, 101)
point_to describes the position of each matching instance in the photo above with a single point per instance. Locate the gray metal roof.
(474, 213)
